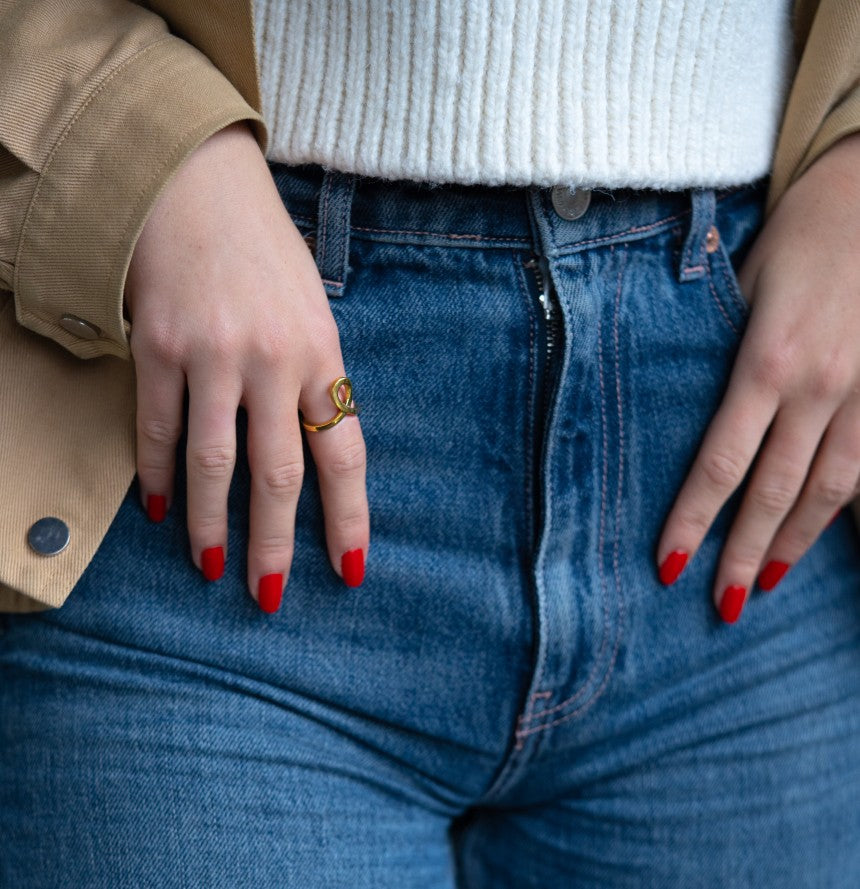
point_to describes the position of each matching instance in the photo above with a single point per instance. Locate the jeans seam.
(718, 301)
(730, 279)
(323, 245)
(448, 235)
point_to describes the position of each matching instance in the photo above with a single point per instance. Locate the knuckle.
(743, 568)
(695, 521)
(830, 381)
(350, 461)
(773, 368)
(163, 346)
(796, 539)
(212, 462)
(742, 558)
(267, 355)
(832, 491)
(273, 548)
(347, 521)
(271, 348)
(161, 433)
(208, 522)
(284, 479)
(722, 470)
(772, 498)
(154, 469)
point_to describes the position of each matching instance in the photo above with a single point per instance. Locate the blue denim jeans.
(512, 698)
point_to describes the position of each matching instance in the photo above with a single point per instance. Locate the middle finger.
(276, 462)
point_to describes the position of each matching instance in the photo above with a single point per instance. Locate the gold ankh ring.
(344, 407)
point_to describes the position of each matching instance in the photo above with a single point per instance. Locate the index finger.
(340, 457)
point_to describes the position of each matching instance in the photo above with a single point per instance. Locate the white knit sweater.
(656, 93)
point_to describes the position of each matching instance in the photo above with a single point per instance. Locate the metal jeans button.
(570, 203)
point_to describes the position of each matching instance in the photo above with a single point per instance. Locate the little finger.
(776, 481)
(831, 483)
(160, 393)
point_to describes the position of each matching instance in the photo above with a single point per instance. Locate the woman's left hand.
(793, 398)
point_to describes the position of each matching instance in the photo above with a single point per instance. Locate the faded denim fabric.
(511, 699)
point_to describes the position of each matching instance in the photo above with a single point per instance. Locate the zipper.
(548, 300)
(548, 377)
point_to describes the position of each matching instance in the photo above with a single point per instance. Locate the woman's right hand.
(225, 296)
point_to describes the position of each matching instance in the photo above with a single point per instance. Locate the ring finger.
(210, 458)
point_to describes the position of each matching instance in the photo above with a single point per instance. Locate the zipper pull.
(541, 273)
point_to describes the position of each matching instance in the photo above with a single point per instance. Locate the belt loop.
(334, 217)
(693, 259)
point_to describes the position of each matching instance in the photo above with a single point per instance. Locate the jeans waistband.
(337, 206)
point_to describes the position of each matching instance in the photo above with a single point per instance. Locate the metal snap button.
(48, 536)
(80, 328)
(570, 203)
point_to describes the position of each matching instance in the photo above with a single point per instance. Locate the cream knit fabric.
(657, 93)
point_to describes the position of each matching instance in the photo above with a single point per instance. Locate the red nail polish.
(352, 567)
(156, 507)
(672, 566)
(771, 574)
(269, 592)
(732, 603)
(212, 562)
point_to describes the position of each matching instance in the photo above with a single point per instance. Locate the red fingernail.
(672, 566)
(771, 574)
(269, 592)
(212, 562)
(352, 567)
(732, 603)
(156, 507)
(835, 516)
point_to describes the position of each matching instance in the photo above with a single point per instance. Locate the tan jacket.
(100, 103)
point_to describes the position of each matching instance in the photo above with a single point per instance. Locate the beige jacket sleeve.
(824, 102)
(99, 105)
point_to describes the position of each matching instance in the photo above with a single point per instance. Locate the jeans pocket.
(725, 286)
(739, 218)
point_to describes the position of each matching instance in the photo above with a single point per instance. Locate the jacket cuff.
(842, 121)
(100, 183)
